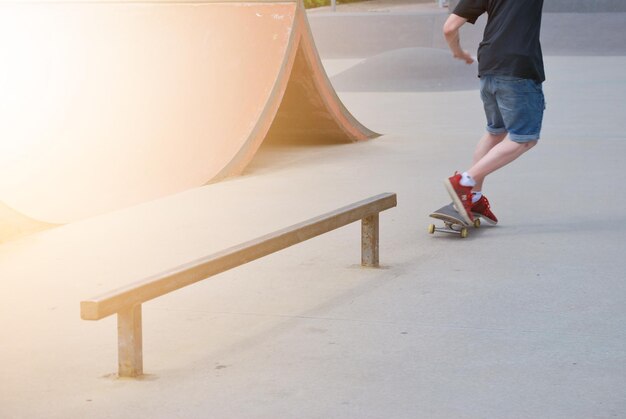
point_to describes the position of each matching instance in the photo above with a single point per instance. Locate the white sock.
(476, 196)
(466, 180)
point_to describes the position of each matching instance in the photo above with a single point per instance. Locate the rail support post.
(369, 241)
(129, 342)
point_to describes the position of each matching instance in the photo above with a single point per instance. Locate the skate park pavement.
(522, 320)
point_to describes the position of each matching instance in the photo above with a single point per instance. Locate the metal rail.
(126, 301)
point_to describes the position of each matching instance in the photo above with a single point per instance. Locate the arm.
(451, 33)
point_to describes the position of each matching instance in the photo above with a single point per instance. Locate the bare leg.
(499, 155)
(485, 144)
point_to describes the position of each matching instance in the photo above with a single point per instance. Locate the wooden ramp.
(109, 104)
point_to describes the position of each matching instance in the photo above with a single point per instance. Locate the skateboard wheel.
(431, 229)
(476, 222)
(464, 233)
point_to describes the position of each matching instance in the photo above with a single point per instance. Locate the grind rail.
(126, 301)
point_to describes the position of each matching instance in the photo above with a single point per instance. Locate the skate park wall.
(108, 104)
(366, 35)
(584, 6)
(573, 6)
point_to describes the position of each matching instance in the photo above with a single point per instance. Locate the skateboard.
(453, 222)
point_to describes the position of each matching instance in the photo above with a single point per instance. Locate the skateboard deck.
(452, 220)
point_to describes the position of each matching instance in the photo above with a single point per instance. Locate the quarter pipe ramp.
(104, 105)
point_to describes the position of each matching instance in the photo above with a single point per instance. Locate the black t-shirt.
(510, 45)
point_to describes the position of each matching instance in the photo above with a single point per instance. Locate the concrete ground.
(522, 320)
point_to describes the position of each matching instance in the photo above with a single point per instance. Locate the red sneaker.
(461, 197)
(481, 208)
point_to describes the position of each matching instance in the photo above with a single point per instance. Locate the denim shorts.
(513, 105)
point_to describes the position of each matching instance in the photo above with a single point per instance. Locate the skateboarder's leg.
(514, 110)
(485, 144)
(498, 156)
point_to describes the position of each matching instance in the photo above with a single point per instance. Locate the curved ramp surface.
(108, 104)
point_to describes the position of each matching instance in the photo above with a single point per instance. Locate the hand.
(464, 56)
